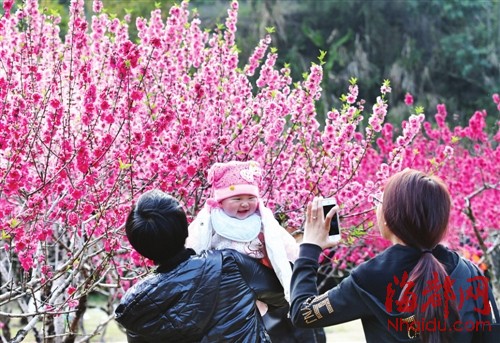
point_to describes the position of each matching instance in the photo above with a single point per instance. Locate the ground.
(351, 332)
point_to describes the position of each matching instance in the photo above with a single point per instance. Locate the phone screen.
(334, 224)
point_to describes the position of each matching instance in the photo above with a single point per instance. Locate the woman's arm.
(308, 309)
(340, 304)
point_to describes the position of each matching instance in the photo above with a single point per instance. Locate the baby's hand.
(255, 249)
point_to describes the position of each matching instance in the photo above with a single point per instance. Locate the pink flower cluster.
(90, 122)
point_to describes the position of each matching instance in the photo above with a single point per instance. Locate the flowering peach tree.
(89, 122)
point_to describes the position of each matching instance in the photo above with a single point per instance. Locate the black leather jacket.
(206, 298)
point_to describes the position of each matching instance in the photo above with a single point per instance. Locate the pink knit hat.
(234, 178)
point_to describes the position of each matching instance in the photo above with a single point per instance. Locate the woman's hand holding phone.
(318, 225)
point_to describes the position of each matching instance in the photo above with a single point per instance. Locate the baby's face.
(240, 206)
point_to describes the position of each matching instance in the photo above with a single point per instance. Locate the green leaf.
(14, 222)
(5, 235)
(124, 166)
(321, 57)
(235, 49)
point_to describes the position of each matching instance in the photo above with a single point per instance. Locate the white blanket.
(281, 247)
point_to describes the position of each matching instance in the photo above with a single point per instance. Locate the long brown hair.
(416, 208)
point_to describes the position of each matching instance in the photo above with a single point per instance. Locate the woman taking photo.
(417, 290)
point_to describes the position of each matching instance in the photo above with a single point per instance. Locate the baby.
(235, 217)
(237, 226)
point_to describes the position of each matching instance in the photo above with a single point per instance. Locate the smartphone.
(327, 205)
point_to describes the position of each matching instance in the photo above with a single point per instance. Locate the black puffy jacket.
(207, 298)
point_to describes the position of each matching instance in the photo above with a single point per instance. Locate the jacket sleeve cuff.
(310, 251)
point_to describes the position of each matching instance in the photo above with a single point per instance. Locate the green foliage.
(440, 51)
(270, 30)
